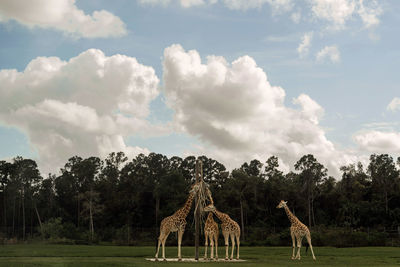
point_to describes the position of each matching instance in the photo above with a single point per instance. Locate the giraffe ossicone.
(297, 231)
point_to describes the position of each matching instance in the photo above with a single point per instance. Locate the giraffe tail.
(307, 245)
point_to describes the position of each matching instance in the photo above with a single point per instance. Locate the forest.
(123, 201)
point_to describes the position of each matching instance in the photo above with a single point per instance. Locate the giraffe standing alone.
(211, 233)
(176, 223)
(297, 230)
(229, 227)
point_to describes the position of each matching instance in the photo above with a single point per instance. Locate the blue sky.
(311, 76)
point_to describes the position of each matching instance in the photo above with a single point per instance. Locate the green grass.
(75, 255)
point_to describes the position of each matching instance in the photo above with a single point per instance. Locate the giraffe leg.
(163, 245)
(212, 247)
(226, 237)
(205, 245)
(238, 245)
(158, 246)
(216, 247)
(299, 239)
(180, 234)
(309, 243)
(293, 243)
(232, 244)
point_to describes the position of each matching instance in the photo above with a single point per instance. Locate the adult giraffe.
(297, 230)
(176, 223)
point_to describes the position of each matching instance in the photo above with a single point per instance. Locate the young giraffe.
(230, 228)
(176, 223)
(211, 233)
(297, 231)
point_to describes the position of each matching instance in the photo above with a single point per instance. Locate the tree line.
(123, 201)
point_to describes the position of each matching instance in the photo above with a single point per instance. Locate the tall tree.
(5, 172)
(312, 173)
(27, 176)
(383, 172)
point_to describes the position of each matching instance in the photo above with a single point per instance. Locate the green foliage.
(53, 228)
(123, 201)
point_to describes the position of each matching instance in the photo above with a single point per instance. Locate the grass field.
(74, 255)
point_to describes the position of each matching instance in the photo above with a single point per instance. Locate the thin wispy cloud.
(305, 44)
(330, 53)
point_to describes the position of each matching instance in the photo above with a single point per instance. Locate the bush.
(52, 229)
(121, 236)
(56, 232)
(376, 238)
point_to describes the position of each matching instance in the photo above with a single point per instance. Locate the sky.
(234, 80)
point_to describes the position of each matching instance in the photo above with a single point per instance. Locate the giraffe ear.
(285, 202)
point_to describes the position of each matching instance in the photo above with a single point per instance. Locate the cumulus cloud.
(329, 52)
(84, 106)
(305, 44)
(239, 115)
(62, 15)
(394, 105)
(379, 141)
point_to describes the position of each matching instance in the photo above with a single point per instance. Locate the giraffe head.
(194, 189)
(281, 204)
(210, 207)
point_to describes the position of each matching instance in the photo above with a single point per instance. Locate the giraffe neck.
(222, 216)
(290, 215)
(210, 196)
(210, 216)
(183, 212)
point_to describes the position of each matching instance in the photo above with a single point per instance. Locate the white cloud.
(62, 15)
(305, 44)
(239, 115)
(278, 6)
(338, 12)
(84, 106)
(335, 11)
(183, 3)
(154, 2)
(190, 3)
(378, 141)
(394, 105)
(369, 14)
(311, 110)
(329, 52)
(296, 17)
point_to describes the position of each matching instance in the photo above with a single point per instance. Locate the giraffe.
(230, 228)
(297, 230)
(176, 223)
(211, 233)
